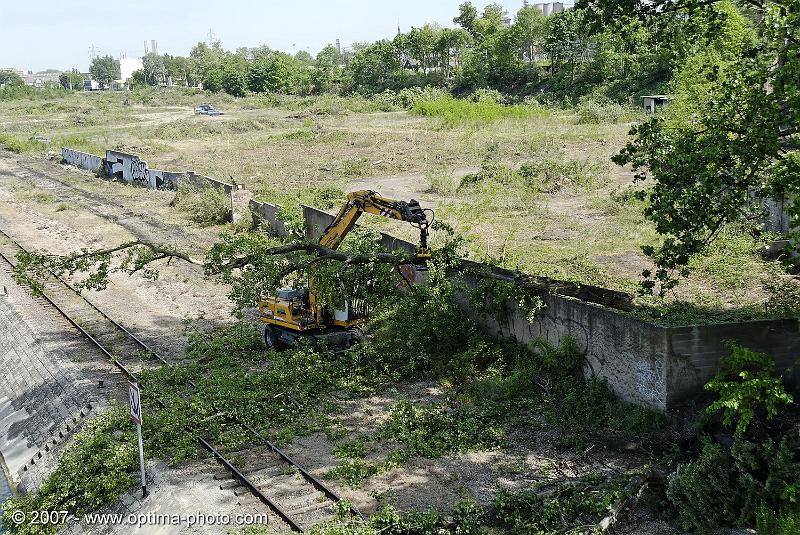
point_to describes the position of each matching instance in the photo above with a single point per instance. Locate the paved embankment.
(49, 383)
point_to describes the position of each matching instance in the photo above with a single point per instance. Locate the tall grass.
(443, 183)
(18, 145)
(596, 112)
(79, 143)
(204, 205)
(454, 111)
(31, 93)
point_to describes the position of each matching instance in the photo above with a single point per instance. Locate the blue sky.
(42, 34)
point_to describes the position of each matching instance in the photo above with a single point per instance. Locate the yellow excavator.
(295, 313)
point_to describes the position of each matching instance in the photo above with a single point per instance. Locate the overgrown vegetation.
(452, 111)
(751, 478)
(234, 376)
(17, 145)
(205, 205)
(98, 467)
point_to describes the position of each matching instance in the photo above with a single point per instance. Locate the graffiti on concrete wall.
(163, 180)
(133, 170)
(80, 159)
(140, 176)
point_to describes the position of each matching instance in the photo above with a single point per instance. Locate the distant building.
(550, 8)
(42, 79)
(127, 66)
(652, 103)
(20, 72)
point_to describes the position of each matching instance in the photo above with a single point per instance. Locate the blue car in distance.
(207, 109)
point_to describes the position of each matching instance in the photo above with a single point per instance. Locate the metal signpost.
(136, 415)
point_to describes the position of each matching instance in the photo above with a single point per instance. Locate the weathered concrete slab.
(269, 214)
(90, 162)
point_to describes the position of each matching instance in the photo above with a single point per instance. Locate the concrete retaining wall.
(631, 354)
(656, 366)
(778, 219)
(695, 351)
(133, 170)
(268, 213)
(90, 162)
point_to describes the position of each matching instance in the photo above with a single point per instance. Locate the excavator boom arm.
(371, 202)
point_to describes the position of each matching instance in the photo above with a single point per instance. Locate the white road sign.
(135, 402)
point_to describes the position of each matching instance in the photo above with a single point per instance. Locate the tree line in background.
(565, 55)
(559, 57)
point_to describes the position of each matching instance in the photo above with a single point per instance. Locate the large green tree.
(376, 67)
(11, 79)
(327, 71)
(529, 31)
(732, 138)
(272, 73)
(105, 69)
(234, 77)
(206, 64)
(155, 72)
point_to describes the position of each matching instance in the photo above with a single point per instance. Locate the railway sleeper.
(299, 503)
(266, 472)
(317, 510)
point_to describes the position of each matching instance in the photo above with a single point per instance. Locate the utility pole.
(210, 37)
(93, 51)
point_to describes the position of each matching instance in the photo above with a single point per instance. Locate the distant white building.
(550, 8)
(42, 79)
(20, 72)
(127, 66)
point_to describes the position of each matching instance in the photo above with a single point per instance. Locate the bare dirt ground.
(423, 484)
(93, 214)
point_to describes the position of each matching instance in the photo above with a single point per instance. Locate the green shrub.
(291, 209)
(769, 522)
(432, 431)
(19, 146)
(466, 518)
(487, 95)
(204, 205)
(354, 168)
(552, 175)
(557, 508)
(443, 183)
(726, 487)
(542, 175)
(747, 389)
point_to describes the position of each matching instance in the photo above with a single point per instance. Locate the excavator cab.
(294, 313)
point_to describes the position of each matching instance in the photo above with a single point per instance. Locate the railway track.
(297, 499)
